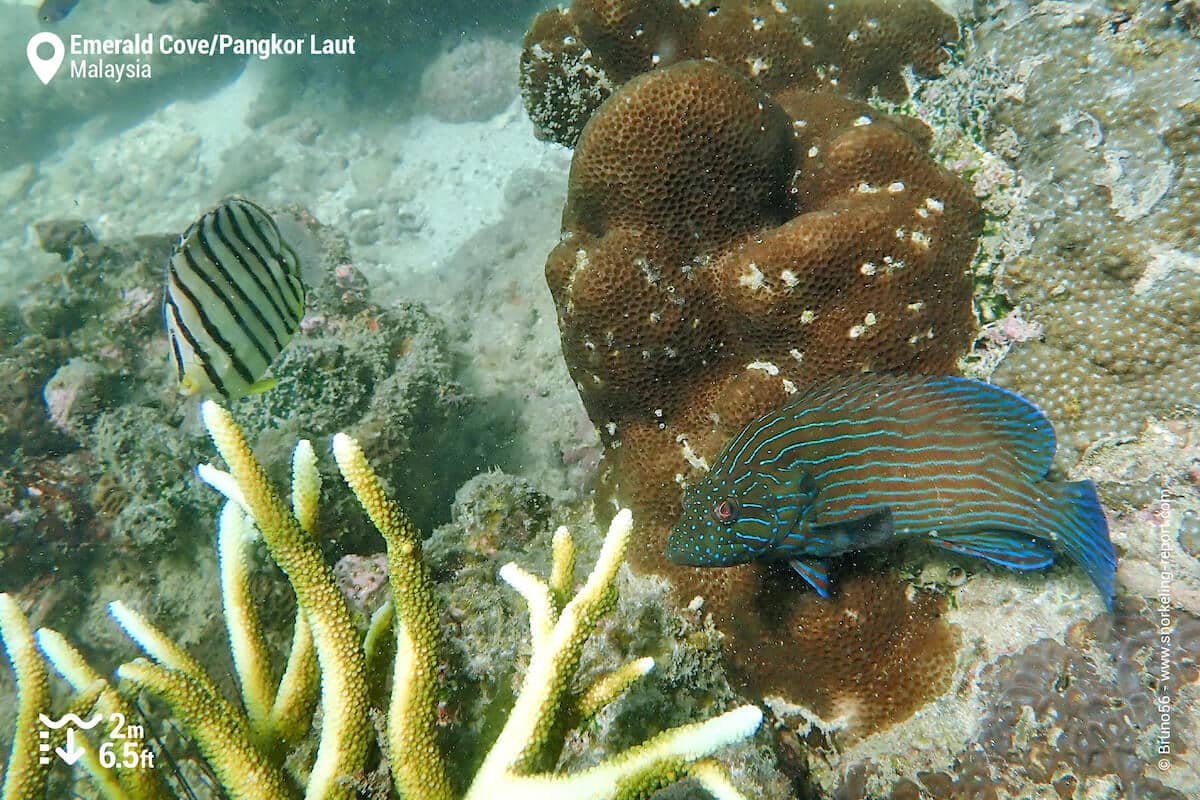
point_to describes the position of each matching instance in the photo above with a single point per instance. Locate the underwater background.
(504, 312)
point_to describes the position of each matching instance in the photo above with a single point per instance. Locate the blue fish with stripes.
(861, 461)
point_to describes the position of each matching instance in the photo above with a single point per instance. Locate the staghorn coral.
(574, 58)
(722, 248)
(245, 744)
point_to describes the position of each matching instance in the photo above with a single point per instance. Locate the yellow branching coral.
(246, 742)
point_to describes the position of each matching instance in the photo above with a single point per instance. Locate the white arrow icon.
(45, 68)
(72, 753)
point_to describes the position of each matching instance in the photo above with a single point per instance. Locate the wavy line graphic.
(55, 724)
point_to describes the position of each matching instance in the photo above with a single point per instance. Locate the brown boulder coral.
(576, 57)
(721, 249)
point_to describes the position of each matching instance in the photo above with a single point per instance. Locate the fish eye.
(725, 511)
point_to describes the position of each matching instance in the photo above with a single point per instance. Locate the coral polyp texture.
(1079, 718)
(576, 57)
(1107, 141)
(722, 248)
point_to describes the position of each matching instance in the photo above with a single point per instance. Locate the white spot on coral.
(655, 59)
(920, 239)
(789, 278)
(796, 354)
(866, 188)
(780, 7)
(915, 307)
(1164, 261)
(757, 23)
(765, 366)
(1068, 122)
(651, 273)
(807, 316)
(689, 454)
(758, 65)
(896, 187)
(852, 36)
(922, 213)
(611, 427)
(812, 151)
(800, 123)
(936, 206)
(658, 412)
(807, 42)
(857, 331)
(655, 317)
(752, 278)
(696, 604)
(928, 334)
(870, 319)
(589, 344)
(901, 233)
(789, 387)
(868, 268)
(863, 120)
(1125, 199)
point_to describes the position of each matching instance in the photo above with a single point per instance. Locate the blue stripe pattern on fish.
(852, 464)
(233, 300)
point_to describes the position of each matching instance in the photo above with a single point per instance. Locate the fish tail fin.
(1078, 524)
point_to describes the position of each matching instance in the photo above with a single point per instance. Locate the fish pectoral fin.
(870, 530)
(1012, 550)
(264, 385)
(814, 572)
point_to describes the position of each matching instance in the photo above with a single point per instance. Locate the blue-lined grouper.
(856, 462)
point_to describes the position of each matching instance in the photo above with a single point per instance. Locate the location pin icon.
(45, 68)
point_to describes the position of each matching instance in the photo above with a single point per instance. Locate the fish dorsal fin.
(1020, 426)
(1014, 424)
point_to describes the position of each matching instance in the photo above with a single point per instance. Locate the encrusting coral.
(246, 745)
(576, 57)
(722, 249)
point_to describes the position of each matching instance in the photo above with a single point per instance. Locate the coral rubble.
(576, 57)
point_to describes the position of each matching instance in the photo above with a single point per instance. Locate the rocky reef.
(723, 248)
(576, 57)
(97, 437)
(889, 679)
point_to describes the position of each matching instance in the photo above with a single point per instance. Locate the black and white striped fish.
(851, 464)
(233, 300)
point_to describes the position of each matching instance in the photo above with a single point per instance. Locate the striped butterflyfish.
(233, 300)
(858, 462)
